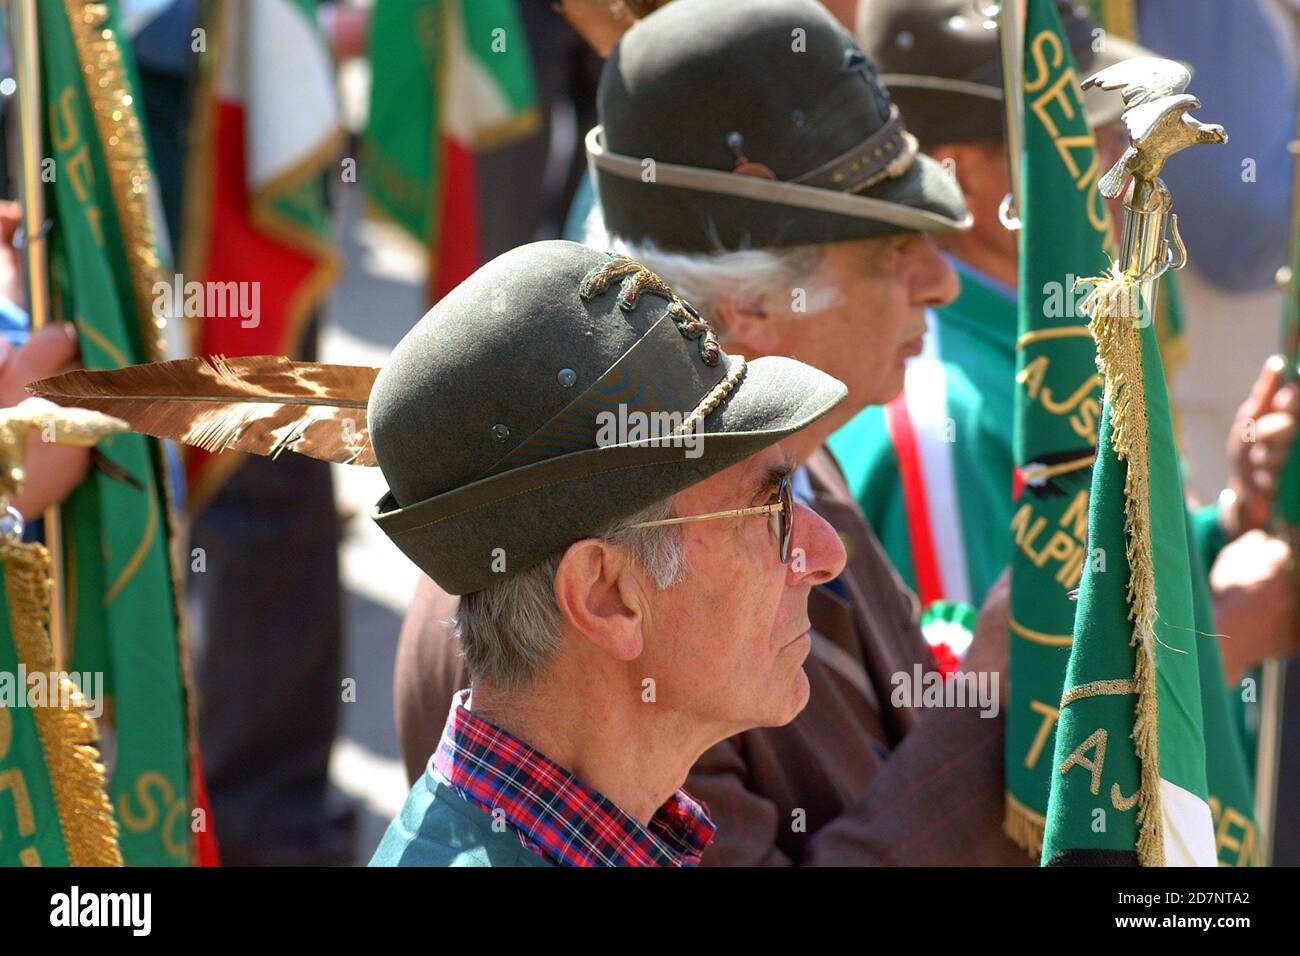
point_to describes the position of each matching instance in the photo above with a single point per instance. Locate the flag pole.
(23, 40)
(1268, 751)
(1011, 40)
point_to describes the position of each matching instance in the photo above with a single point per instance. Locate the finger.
(53, 471)
(11, 214)
(1275, 428)
(1263, 482)
(1287, 399)
(1269, 456)
(1266, 385)
(48, 350)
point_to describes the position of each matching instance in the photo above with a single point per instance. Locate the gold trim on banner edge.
(126, 157)
(1024, 827)
(67, 735)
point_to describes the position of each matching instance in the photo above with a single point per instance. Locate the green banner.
(1066, 234)
(1065, 228)
(122, 612)
(1131, 746)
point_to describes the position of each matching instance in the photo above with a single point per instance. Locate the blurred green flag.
(1065, 228)
(121, 601)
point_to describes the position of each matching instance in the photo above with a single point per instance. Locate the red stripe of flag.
(456, 253)
(929, 582)
(237, 251)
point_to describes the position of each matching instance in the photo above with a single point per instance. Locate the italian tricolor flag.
(266, 133)
(450, 79)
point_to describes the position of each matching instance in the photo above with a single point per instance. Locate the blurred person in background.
(265, 615)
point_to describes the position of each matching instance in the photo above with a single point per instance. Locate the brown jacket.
(853, 780)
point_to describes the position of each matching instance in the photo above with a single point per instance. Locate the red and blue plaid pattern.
(551, 811)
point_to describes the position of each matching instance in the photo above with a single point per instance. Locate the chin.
(796, 699)
(889, 385)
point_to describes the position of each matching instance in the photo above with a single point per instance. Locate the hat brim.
(694, 209)
(941, 109)
(929, 187)
(473, 536)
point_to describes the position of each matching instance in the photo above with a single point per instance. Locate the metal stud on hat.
(743, 166)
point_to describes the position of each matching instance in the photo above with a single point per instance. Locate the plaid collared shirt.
(552, 812)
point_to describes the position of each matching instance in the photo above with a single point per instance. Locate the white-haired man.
(794, 203)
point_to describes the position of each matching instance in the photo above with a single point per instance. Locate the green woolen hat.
(942, 61)
(487, 419)
(756, 124)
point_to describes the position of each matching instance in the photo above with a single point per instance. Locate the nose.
(816, 553)
(933, 282)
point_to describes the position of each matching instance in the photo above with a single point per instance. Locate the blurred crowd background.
(400, 187)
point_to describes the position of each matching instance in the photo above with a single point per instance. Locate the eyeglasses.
(780, 516)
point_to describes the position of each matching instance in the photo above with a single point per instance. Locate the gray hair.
(702, 278)
(510, 631)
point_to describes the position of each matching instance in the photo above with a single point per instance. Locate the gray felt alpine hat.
(485, 420)
(757, 123)
(942, 62)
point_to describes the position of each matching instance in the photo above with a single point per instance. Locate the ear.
(749, 329)
(599, 596)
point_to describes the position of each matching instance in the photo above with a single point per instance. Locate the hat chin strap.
(715, 396)
(768, 190)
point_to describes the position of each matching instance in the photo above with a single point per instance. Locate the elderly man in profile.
(626, 602)
(793, 202)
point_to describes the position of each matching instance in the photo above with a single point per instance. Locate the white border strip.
(1188, 826)
(926, 82)
(926, 393)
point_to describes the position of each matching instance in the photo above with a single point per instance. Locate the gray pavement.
(378, 299)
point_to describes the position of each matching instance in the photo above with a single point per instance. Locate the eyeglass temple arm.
(757, 510)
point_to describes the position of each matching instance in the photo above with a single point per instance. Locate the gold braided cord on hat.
(1113, 305)
(712, 400)
(67, 735)
(636, 279)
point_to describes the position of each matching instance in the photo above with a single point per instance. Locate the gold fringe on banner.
(125, 155)
(1024, 826)
(1114, 305)
(67, 735)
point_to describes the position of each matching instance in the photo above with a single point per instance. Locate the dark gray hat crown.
(915, 43)
(783, 74)
(502, 355)
(775, 89)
